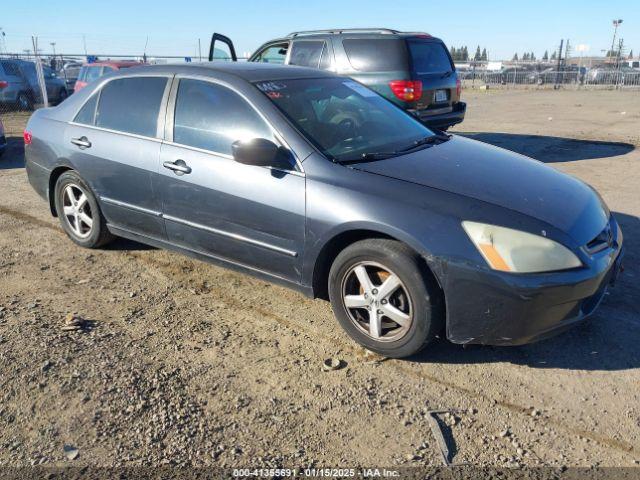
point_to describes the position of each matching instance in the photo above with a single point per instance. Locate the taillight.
(407, 90)
(4, 84)
(27, 137)
(458, 88)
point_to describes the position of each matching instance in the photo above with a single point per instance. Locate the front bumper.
(442, 118)
(496, 308)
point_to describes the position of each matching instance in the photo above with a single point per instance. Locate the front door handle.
(82, 142)
(179, 167)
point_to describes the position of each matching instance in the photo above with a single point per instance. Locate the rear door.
(114, 143)
(431, 64)
(249, 215)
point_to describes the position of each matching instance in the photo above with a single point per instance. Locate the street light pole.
(53, 45)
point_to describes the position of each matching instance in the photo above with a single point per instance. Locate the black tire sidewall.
(404, 263)
(96, 237)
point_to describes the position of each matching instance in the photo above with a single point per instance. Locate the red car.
(92, 71)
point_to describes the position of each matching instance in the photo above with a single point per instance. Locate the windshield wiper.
(430, 140)
(422, 142)
(369, 156)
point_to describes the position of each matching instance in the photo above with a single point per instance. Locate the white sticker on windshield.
(361, 89)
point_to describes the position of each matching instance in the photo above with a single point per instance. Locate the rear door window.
(429, 57)
(307, 53)
(212, 117)
(376, 54)
(131, 105)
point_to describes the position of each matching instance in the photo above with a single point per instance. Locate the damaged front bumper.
(496, 308)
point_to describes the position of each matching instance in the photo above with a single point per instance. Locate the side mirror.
(259, 152)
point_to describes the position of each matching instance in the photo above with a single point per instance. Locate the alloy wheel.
(77, 210)
(377, 302)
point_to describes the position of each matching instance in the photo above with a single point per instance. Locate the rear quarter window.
(429, 57)
(376, 54)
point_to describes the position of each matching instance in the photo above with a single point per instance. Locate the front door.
(250, 215)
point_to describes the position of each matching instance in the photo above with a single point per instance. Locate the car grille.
(602, 241)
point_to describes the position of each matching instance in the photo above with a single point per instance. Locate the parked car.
(69, 73)
(92, 71)
(3, 139)
(21, 87)
(413, 70)
(520, 74)
(609, 74)
(405, 230)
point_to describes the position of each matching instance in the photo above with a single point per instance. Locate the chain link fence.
(539, 76)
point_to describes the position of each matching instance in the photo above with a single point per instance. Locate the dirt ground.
(183, 363)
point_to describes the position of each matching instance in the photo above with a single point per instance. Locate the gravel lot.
(178, 362)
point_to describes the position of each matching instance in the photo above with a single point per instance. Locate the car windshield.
(344, 119)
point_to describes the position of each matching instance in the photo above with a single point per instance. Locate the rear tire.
(396, 324)
(79, 212)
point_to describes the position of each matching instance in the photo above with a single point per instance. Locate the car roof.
(249, 71)
(361, 33)
(115, 63)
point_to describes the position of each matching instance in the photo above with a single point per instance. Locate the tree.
(630, 54)
(465, 53)
(484, 56)
(525, 56)
(554, 56)
(515, 57)
(478, 55)
(532, 56)
(546, 55)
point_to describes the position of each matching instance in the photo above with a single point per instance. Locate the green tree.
(546, 55)
(465, 53)
(484, 57)
(532, 56)
(525, 56)
(478, 54)
(554, 56)
(515, 57)
(630, 54)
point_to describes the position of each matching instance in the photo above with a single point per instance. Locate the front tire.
(79, 213)
(383, 297)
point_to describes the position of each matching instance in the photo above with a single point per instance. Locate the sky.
(174, 27)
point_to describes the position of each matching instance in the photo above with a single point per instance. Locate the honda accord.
(312, 180)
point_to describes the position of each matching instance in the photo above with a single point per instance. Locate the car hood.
(504, 178)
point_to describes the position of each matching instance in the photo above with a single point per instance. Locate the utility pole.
(559, 63)
(616, 24)
(199, 50)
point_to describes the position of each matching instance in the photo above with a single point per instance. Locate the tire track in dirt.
(169, 271)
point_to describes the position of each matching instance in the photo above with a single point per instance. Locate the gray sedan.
(314, 181)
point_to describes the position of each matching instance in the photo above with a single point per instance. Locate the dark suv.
(413, 70)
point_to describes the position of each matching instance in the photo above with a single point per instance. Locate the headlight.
(519, 252)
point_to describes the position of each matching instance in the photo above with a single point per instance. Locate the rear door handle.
(82, 142)
(179, 167)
